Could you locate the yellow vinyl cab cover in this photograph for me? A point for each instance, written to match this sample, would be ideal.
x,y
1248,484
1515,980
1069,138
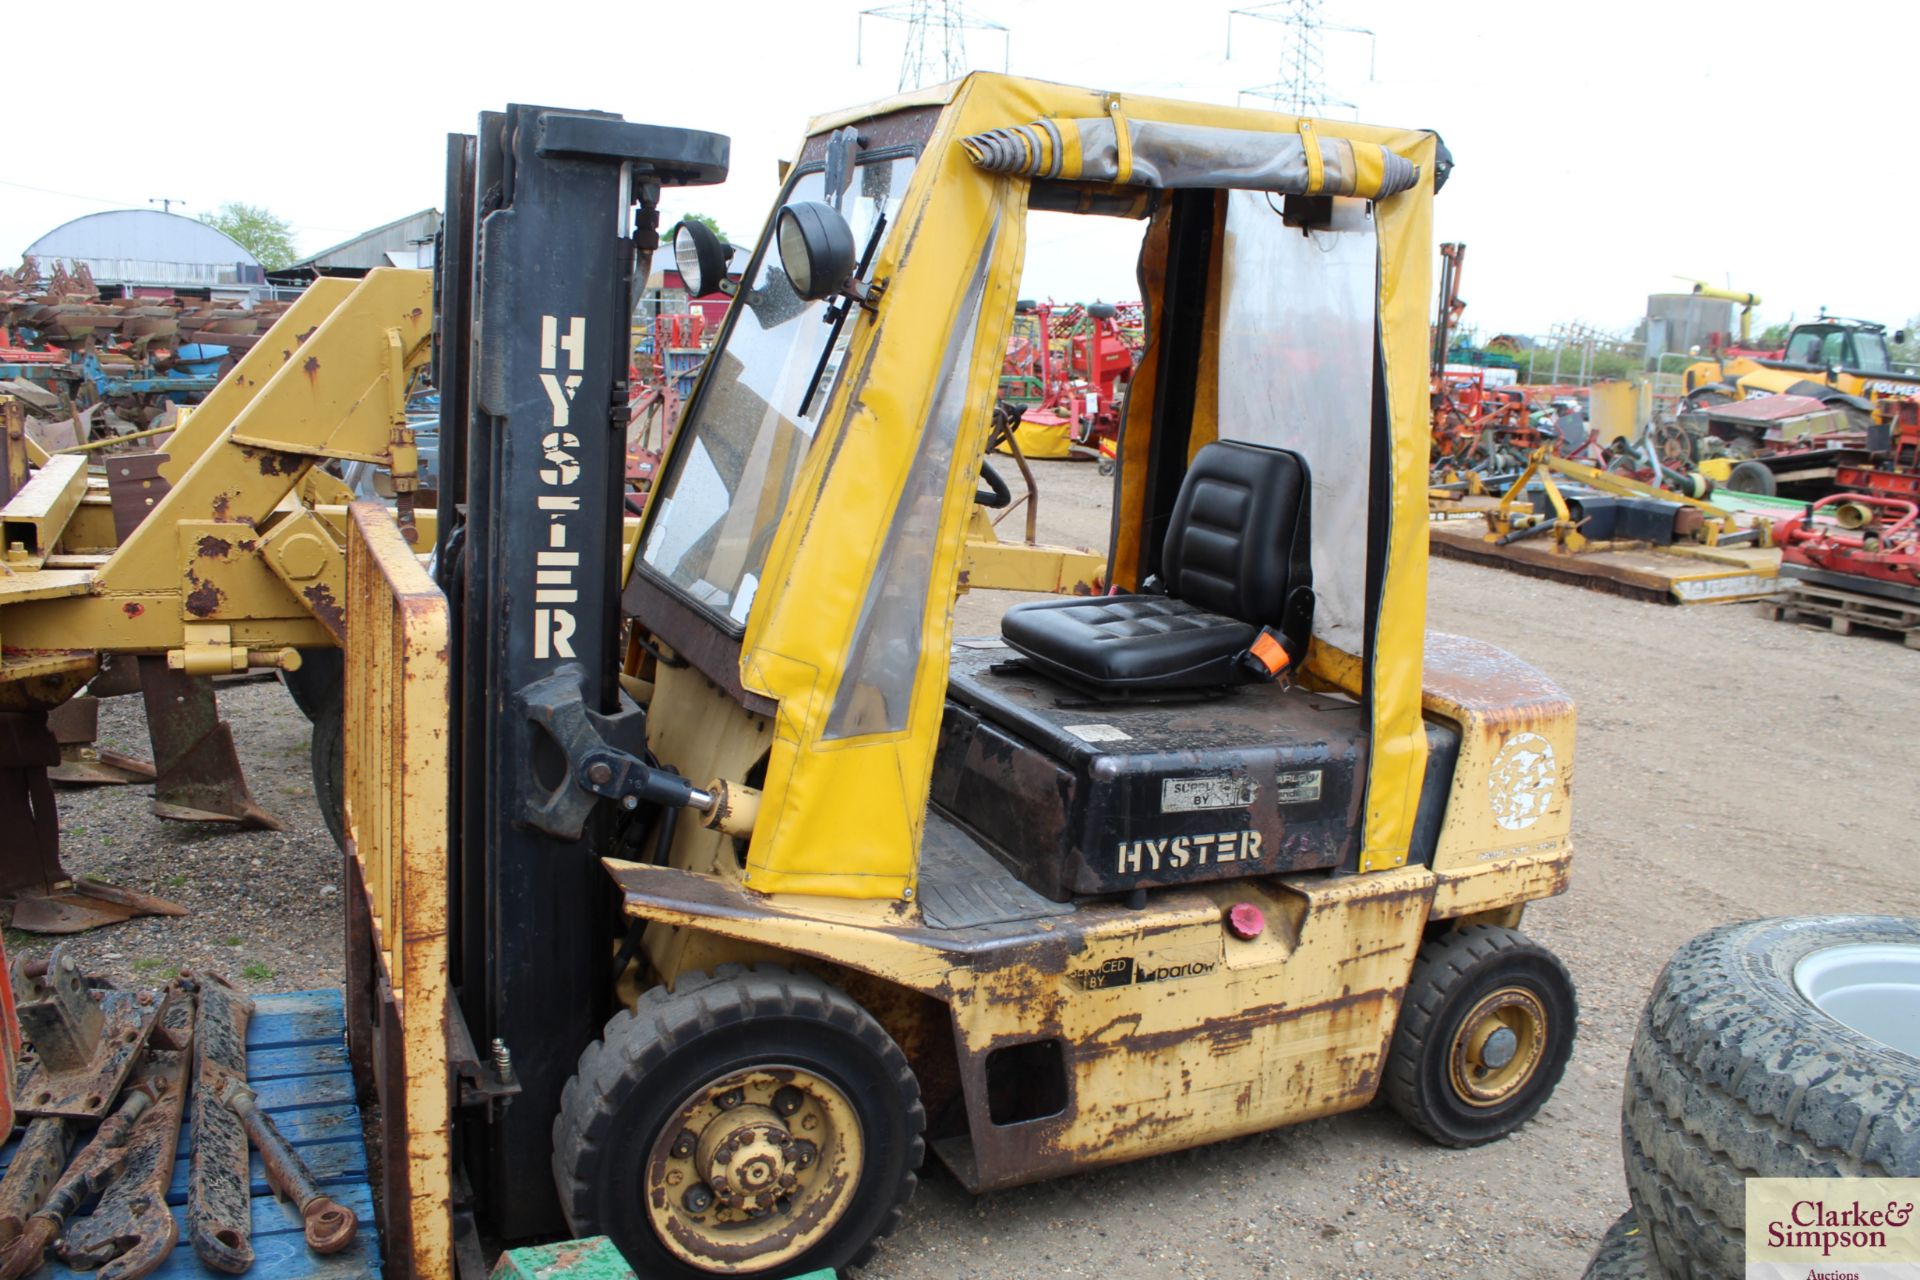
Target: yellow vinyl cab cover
x,y
832,538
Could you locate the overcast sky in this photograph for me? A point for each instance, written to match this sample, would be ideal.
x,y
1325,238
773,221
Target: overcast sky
x,y
1603,149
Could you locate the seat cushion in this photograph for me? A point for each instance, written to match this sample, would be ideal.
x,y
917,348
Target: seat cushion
x,y
1128,642
1236,543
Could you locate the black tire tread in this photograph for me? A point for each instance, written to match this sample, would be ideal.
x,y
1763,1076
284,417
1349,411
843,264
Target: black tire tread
x,y
326,758
1624,1253
1442,962
1726,1082
639,1039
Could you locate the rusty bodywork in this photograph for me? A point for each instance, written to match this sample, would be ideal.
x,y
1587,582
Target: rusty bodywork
x,y
1063,998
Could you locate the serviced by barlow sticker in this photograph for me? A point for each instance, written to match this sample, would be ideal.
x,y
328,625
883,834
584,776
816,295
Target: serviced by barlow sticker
x,y
1833,1229
1185,795
1126,971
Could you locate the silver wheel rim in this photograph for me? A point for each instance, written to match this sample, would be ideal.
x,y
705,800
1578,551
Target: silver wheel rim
x,y
1872,987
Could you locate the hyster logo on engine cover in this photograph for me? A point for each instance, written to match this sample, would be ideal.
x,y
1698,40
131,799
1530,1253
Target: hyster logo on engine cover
x,y
1176,853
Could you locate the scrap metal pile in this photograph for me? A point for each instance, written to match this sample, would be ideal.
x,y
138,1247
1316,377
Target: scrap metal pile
x,y
1066,370
104,1082
108,365
1865,536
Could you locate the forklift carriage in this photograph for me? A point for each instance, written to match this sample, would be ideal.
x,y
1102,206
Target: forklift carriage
x,y
749,879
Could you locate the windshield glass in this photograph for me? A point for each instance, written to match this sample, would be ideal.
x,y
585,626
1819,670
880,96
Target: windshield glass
x,y
717,510
1870,353
1805,347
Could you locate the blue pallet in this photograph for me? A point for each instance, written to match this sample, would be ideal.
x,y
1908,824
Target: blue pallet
x,y
297,1064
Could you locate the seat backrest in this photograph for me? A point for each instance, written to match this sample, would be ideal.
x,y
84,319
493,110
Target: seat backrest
x,y
1238,538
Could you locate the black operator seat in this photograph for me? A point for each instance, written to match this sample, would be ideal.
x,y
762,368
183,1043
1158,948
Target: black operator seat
x,y
1235,561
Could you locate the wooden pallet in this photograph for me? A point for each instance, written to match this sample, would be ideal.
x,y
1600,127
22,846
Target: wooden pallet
x,y
297,1064
1673,575
1842,611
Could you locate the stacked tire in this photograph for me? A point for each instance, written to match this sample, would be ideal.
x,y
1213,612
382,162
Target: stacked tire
x,y
1774,1048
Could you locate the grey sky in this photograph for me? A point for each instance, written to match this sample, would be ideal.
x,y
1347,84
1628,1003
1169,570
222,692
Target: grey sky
x,y
1603,149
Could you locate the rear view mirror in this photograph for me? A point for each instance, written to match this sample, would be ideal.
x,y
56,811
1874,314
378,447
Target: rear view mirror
x,y
700,258
816,248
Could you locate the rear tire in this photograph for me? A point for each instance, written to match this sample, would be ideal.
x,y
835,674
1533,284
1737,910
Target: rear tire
x,y
1485,1032
1735,1073
327,757
315,684
1624,1253
618,1157
1753,477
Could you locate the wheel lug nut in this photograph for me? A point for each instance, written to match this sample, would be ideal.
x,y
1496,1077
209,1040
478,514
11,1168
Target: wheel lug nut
x,y
698,1199
730,1099
788,1100
683,1145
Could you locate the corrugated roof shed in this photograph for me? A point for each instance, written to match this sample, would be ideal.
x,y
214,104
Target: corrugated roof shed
x,y
403,239
147,247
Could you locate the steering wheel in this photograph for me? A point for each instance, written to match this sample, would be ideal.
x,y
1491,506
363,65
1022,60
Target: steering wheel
x,y
996,495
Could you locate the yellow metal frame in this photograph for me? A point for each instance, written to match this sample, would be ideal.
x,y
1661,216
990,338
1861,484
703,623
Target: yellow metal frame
x,y
233,544
1544,464
397,629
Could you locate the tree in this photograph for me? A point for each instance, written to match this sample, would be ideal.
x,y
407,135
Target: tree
x,y
1907,352
268,238
708,223
1774,335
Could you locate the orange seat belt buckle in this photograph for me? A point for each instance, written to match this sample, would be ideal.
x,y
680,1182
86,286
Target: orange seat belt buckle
x,y
1269,652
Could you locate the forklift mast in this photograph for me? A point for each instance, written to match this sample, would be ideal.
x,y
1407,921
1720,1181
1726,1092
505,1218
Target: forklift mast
x,y
547,212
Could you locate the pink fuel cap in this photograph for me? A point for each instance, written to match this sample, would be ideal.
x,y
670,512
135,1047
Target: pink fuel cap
x,y
1245,921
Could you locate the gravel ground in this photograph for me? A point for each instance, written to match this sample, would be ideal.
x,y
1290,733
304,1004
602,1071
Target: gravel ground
x,y
1729,768
265,906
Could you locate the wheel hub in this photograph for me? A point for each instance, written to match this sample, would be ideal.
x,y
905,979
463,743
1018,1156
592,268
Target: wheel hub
x,y
746,1158
753,1168
1499,1043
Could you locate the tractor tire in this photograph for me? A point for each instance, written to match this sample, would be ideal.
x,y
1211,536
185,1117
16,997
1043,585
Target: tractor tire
x,y
1486,1028
635,1141
327,757
1753,477
1736,1073
318,680
1624,1254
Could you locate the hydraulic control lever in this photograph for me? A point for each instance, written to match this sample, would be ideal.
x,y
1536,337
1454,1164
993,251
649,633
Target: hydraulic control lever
x,y
605,758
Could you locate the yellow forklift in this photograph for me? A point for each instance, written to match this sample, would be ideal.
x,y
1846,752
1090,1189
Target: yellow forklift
x,y
694,911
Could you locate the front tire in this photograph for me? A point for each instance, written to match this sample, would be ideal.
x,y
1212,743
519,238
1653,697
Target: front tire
x,y
754,1122
1624,1253
1485,1032
1739,1071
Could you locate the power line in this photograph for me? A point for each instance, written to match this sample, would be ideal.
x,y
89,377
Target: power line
x,y
936,39
71,195
1302,85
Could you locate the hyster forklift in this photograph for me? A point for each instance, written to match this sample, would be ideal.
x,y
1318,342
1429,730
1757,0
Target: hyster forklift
x,y
703,894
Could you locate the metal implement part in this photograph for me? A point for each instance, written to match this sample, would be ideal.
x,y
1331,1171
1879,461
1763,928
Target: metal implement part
x,y
84,1042
200,779
96,1164
131,1231
46,899
36,1166
219,1218
331,1226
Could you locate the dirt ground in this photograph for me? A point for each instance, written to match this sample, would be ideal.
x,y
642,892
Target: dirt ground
x,y
1729,767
